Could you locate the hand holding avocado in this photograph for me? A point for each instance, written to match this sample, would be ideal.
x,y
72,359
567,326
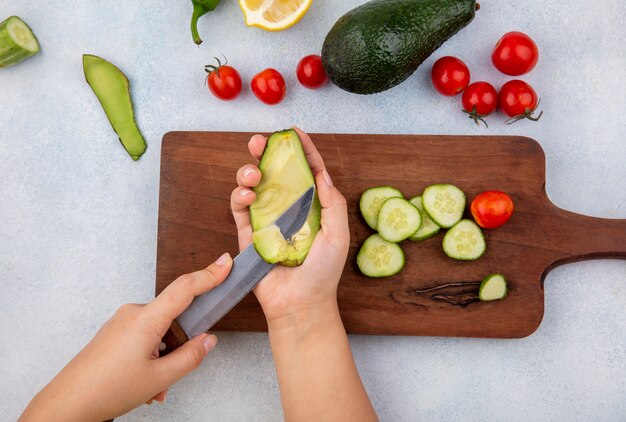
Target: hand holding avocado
x,y
286,292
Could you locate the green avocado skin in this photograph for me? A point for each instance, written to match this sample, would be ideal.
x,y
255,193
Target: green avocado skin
x,y
378,45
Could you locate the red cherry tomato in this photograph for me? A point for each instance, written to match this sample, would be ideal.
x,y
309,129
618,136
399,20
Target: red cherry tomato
x,y
224,81
450,75
515,54
269,86
311,73
519,101
492,209
480,99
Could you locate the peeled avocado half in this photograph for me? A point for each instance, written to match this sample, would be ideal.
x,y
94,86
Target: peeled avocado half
x,y
286,175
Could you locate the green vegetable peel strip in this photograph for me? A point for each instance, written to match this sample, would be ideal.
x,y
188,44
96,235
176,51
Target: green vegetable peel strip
x,y
200,8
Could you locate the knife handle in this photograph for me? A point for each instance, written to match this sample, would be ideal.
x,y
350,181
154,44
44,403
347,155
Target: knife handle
x,y
173,339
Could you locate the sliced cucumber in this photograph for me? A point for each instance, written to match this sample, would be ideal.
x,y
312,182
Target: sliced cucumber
x,y
428,228
464,241
445,204
379,258
371,201
493,287
398,219
17,42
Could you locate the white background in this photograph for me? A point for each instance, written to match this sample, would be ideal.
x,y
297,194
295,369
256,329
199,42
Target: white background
x,y
78,218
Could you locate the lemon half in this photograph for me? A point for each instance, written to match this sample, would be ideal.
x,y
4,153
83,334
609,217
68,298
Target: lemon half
x,y
274,15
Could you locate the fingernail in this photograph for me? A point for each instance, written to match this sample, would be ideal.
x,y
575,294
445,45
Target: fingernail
x,y
247,172
223,260
209,343
327,179
244,192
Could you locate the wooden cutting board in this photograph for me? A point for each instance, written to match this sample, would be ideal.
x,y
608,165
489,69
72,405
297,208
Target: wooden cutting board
x,y
434,295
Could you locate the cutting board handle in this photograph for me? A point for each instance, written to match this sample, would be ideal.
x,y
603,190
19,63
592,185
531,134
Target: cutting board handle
x,y
577,237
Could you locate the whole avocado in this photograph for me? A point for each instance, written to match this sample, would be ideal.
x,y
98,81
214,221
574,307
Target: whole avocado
x,y
378,45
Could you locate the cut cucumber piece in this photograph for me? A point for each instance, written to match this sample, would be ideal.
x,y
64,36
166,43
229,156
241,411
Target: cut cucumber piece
x,y
398,219
464,241
428,228
17,42
371,201
493,287
286,175
444,204
379,258
113,91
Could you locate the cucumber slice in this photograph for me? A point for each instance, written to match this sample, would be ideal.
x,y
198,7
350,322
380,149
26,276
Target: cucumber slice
x,y
428,228
371,201
464,241
398,219
379,258
493,287
445,204
17,42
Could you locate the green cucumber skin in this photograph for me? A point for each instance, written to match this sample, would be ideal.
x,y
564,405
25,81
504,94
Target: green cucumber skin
x,y
11,53
465,259
426,236
487,279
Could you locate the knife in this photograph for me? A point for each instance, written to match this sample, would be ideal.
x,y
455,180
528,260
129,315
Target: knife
x,y
247,271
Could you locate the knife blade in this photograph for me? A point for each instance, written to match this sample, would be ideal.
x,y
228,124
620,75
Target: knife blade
x,y
247,271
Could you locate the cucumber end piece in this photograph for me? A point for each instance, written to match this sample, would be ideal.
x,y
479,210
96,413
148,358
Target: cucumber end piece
x,y
22,35
493,287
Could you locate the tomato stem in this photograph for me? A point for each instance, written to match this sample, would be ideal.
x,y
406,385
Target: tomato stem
x,y
476,117
528,114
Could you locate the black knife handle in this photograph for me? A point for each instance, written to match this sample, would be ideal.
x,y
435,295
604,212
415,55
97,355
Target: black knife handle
x,y
173,339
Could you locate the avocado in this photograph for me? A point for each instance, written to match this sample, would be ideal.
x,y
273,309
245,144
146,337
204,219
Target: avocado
x,y
378,45
285,176
113,91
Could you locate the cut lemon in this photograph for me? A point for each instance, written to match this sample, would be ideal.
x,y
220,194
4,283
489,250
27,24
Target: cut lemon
x,y
274,15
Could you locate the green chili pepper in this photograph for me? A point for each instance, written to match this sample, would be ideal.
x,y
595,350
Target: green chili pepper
x,y
200,8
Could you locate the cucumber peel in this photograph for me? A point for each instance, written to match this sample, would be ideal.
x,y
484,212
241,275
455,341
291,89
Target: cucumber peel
x,y
113,91
493,287
17,41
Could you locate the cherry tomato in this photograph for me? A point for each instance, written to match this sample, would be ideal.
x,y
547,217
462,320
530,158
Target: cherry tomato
x,y
480,99
492,209
269,86
519,101
311,73
515,54
224,81
450,75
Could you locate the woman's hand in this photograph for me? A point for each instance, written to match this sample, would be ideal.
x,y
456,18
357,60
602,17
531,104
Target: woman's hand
x,y
317,376
120,368
289,295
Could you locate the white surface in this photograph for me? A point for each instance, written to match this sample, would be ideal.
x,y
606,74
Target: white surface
x,y
78,217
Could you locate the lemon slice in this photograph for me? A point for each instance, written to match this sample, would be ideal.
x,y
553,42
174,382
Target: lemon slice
x,y
274,15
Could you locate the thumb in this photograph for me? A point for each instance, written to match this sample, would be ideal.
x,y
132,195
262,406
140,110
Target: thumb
x,y
186,358
334,208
